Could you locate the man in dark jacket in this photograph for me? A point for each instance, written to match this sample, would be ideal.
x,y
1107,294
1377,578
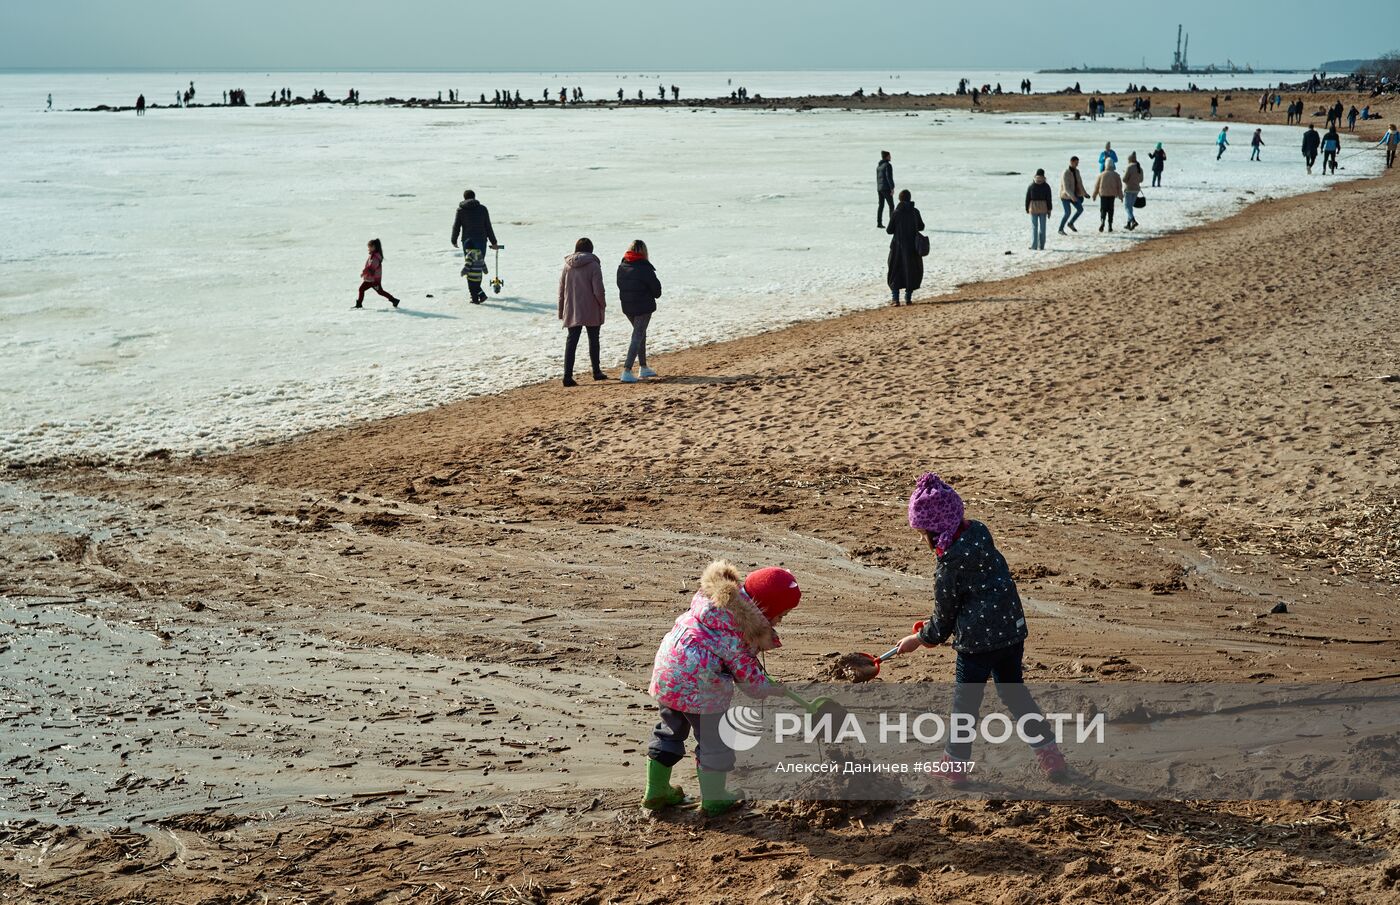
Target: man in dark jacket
x,y
1311,142
473,226
884,187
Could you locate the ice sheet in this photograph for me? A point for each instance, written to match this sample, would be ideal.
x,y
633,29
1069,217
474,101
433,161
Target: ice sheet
x,y
183,281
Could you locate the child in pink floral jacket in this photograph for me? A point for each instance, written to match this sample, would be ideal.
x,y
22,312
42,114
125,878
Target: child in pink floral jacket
x,y
713,645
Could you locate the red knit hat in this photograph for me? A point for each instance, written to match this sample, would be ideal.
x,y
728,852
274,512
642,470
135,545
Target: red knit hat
x,y
774,591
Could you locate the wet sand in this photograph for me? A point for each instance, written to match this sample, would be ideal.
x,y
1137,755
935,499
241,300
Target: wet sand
x,y
406,661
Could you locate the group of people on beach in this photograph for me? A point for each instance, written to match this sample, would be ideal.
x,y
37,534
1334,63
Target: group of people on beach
x,y
909,246
582,301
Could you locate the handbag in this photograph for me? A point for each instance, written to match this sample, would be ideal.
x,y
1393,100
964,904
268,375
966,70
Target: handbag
x,y
1140,201
921,244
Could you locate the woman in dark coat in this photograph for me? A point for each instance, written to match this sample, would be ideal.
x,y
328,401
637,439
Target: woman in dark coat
x,y
906,265
639,288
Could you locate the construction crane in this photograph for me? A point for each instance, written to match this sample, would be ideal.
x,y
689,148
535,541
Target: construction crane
x,y
1179,63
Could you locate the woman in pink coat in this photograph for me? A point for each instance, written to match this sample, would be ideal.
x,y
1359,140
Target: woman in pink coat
x,y
582,304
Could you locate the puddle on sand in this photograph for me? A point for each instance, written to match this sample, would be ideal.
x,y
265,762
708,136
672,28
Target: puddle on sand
x,y
103,723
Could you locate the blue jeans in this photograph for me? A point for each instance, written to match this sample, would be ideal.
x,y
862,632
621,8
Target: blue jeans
x,y
973,671
1038,222
1067,220
1129,199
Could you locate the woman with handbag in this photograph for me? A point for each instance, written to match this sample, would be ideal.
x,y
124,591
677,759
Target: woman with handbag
x,y
1038,204
907,249
1132,186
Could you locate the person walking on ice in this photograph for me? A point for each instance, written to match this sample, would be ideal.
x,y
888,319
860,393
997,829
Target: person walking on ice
x,y
1159,163
1106,155
638,288
473,225
714,646
1312,141
1331,146
1072,195
1132,187
1222,141
50,106
373,275
976,605
1255,144
582,305
1039,203
905,265
1107,189
884,187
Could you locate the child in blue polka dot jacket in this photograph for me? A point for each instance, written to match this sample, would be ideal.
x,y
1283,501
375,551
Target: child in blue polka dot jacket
x,y
976,604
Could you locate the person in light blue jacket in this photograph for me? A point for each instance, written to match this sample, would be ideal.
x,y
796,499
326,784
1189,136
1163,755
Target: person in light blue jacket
x,y
1222,141
1331,144
1107,154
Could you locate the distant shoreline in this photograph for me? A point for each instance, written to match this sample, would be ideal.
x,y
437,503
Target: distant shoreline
x,y
1238,104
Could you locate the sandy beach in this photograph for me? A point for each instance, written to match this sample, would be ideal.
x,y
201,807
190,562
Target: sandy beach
x,y
1167,441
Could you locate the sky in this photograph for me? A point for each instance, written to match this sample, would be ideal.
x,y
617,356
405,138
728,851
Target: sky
x,y
553,35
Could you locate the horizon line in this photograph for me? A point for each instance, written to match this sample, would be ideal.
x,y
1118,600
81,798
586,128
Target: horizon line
x,y
1125,70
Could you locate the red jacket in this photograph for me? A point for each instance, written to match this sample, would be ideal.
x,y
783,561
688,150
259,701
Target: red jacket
x,y
374,269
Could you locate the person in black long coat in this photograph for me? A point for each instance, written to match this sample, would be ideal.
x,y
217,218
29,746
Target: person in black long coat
x,y
906,265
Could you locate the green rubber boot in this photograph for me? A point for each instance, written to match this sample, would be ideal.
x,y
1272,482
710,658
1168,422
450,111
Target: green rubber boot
x,y
660,793
715,799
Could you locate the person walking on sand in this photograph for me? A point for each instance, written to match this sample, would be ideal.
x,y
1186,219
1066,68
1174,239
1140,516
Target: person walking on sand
x,y
638,288
1072,195
906,261
1391,142
1106,155
1351,118
473,225
1214,105
582,305
1132,186
1222,141
1255,143
1312,141
1039,203
1331,144
373,275
884,187
1107,189
1159,163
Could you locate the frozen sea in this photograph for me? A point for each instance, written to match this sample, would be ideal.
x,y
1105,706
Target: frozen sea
x,y
183,281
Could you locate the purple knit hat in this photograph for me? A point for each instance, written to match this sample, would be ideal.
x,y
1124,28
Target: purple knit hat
x,y
936,507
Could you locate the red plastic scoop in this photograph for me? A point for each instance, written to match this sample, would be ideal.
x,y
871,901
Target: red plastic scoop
x,y
861,667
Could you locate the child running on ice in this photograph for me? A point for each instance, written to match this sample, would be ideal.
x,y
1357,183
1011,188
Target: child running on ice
x,y
713,645
975,602
373,273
